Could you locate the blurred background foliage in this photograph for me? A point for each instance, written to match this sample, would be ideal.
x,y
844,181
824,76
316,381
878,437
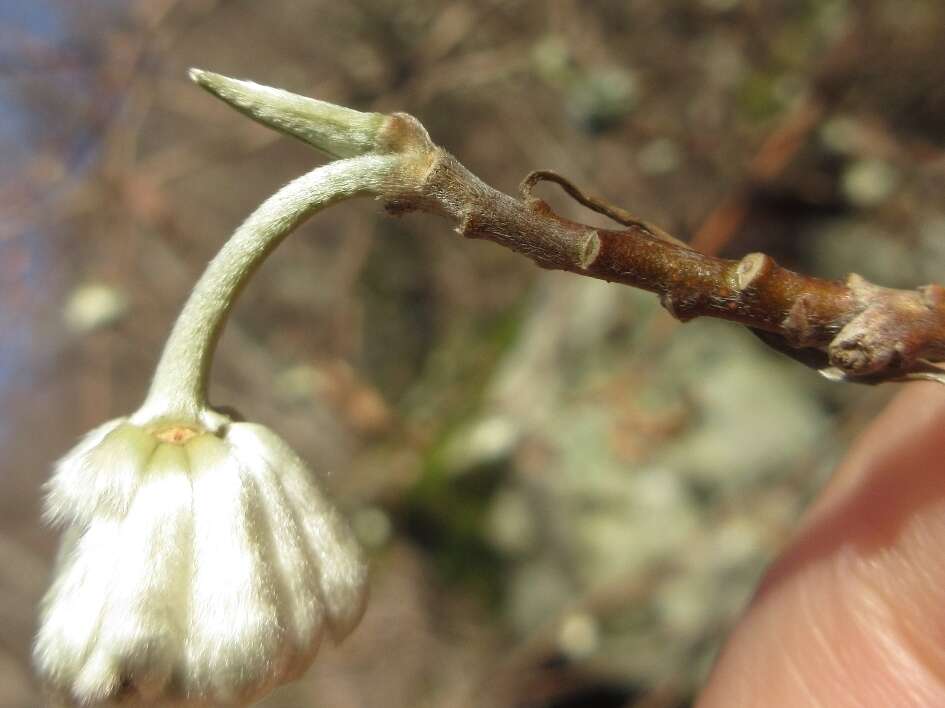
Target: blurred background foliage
x,y
567,496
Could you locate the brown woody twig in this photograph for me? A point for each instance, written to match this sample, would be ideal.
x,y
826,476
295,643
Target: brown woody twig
x,y
850,331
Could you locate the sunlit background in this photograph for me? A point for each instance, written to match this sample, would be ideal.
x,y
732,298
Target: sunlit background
x,y
567,496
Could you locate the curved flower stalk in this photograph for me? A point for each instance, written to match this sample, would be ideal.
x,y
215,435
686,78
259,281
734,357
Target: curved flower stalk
x,y
200,563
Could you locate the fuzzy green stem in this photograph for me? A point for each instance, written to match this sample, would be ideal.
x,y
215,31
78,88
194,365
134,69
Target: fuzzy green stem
x,y
179,387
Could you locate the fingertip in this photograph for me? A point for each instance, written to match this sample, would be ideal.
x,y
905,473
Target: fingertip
x,y
853,612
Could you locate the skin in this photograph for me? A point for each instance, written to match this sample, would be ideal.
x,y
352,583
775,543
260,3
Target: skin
x,y
853,612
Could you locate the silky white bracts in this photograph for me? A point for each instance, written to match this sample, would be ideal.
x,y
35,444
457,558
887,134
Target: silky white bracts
x,y
200,563
197,567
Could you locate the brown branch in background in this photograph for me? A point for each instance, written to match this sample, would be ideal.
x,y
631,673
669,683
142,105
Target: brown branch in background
x,y
851,331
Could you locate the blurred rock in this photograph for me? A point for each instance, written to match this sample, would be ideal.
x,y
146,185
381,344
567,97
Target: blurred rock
x,y
336,383
844,246
578,636
844,135
94,305
603,526
723,61
487,441
511,525
602,97
299,383
596,97
372,526
553,61
869,182
659,157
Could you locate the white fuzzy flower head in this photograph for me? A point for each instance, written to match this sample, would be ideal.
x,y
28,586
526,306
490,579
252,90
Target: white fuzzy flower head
x,y
201,565
198,567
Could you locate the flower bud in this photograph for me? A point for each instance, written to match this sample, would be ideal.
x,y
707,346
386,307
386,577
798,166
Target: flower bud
x,y
196,567
200,563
